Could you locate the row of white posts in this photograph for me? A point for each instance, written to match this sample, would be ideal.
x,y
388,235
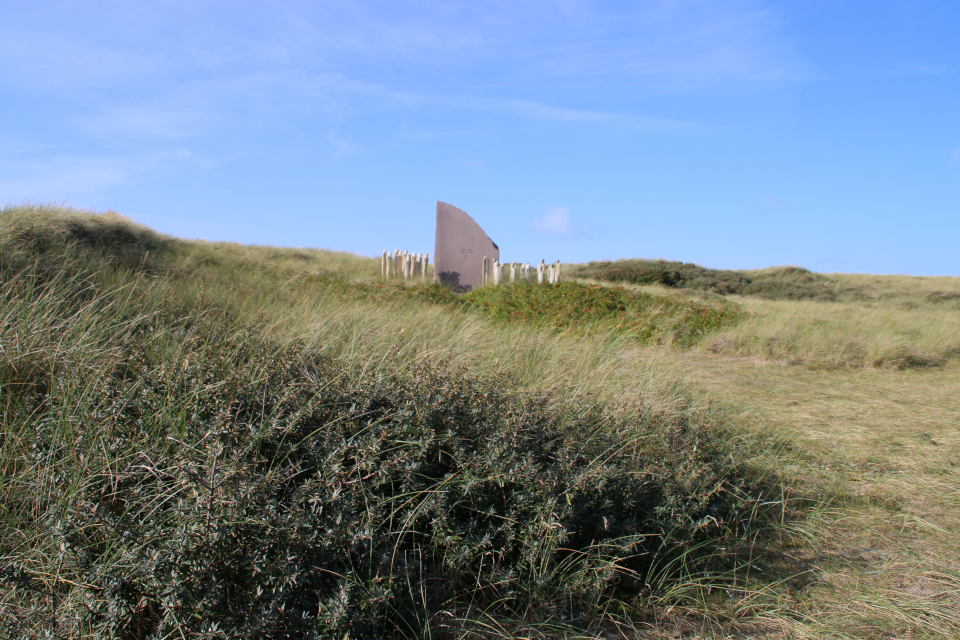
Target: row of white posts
x,y
403,263
496,272
395,264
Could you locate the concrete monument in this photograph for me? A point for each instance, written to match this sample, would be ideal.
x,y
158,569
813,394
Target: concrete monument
x,y
461,247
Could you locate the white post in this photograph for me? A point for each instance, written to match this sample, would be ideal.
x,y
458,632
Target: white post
x,y
540,273
496,273
513,272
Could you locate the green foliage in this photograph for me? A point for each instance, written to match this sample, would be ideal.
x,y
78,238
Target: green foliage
x,y
168,472
579,307
784,283
221,484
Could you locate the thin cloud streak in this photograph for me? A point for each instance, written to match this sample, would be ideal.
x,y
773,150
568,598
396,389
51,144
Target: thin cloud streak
x,y
226,84
61,178
662,43
555,223
545,112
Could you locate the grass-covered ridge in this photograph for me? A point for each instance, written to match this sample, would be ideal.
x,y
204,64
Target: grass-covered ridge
x,y
212,359
585,308
185,452
782,283
789,315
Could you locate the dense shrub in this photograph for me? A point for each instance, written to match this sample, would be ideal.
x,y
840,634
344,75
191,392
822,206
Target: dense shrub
x,y
574,306
307,502
167,471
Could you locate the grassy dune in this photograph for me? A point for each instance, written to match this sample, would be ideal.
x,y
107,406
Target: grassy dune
x,y
900,322
276,441
897,322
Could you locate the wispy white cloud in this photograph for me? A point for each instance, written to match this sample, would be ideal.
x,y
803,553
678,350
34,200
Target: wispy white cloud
x,y
534,110
476,165
678,44
336,88
128,75
344,147
60,178
555,223
492,45
140,121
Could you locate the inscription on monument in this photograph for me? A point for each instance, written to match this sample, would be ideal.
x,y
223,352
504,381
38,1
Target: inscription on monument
x,y
460,249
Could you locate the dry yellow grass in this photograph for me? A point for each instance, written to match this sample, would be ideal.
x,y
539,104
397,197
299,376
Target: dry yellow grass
x,y
881,450
908,330
872,451
896,322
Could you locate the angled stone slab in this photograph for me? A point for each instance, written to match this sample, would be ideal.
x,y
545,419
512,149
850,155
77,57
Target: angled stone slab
x,y
460,249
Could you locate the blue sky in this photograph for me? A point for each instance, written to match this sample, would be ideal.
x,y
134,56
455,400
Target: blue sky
x,y
734,134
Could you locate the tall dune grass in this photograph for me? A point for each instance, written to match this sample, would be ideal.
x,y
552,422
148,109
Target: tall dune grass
x,y
844,334
195,443
158,401
881,322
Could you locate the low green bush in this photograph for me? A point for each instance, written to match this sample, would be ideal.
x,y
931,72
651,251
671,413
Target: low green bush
x,y
580,307
168,472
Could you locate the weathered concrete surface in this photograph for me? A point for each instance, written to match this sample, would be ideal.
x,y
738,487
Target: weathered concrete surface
x,y
460,249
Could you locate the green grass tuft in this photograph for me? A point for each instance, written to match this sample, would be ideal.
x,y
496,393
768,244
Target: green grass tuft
x,y
595,309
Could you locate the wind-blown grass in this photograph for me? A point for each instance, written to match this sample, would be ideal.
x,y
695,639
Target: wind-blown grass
x,y
898,322
844,334
158,400
183,453
585,309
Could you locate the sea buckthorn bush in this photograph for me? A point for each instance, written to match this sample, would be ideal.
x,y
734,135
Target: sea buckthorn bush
x,y
581,307
168,471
